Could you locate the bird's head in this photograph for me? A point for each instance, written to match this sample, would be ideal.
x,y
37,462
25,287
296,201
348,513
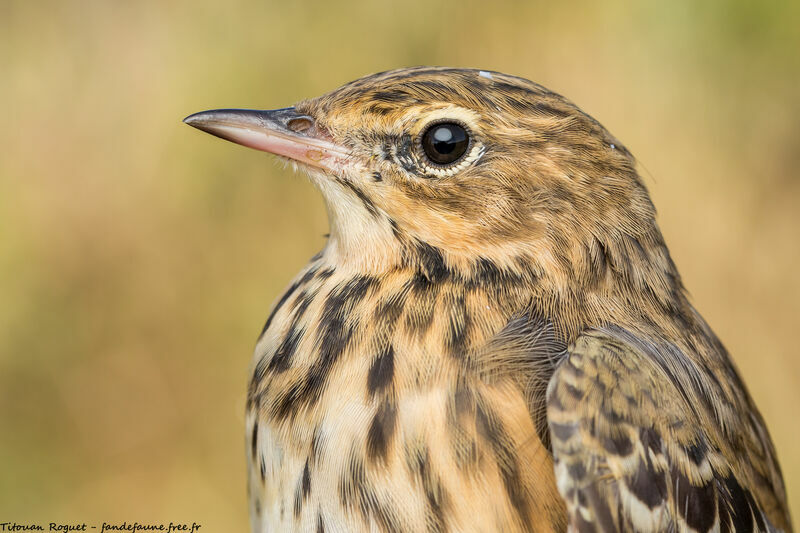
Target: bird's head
x,y
469,166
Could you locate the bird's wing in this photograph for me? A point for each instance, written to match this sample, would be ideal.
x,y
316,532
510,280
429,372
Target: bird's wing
x,y
632,454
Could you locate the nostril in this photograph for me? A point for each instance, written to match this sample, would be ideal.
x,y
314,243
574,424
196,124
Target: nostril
x,y
300,124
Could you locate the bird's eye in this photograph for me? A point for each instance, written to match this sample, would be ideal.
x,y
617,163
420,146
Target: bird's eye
x,y
445,142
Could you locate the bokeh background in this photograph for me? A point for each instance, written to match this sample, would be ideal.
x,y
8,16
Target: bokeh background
x,y
139,257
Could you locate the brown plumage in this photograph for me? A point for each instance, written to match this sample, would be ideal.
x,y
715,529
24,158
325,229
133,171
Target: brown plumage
x,y
495,342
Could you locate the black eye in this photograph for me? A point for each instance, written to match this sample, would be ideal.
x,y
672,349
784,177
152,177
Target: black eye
x,y
445,142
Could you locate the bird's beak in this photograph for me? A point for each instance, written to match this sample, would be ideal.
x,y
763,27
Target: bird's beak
x,y
283,132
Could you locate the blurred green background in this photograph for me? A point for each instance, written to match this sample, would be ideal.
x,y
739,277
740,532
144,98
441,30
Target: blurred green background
x,y
139,257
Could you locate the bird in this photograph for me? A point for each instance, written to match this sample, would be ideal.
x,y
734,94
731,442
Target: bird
x,y
494,336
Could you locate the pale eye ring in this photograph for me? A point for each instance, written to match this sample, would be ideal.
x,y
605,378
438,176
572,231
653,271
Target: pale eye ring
x,y
444,143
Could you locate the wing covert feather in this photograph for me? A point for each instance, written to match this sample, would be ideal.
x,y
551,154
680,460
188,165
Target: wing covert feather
x,y
633,454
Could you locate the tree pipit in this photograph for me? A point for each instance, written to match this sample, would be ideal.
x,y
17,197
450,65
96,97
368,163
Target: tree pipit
x,y
494,337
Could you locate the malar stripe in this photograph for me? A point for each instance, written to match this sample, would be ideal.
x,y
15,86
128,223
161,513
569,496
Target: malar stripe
x,y
368,204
